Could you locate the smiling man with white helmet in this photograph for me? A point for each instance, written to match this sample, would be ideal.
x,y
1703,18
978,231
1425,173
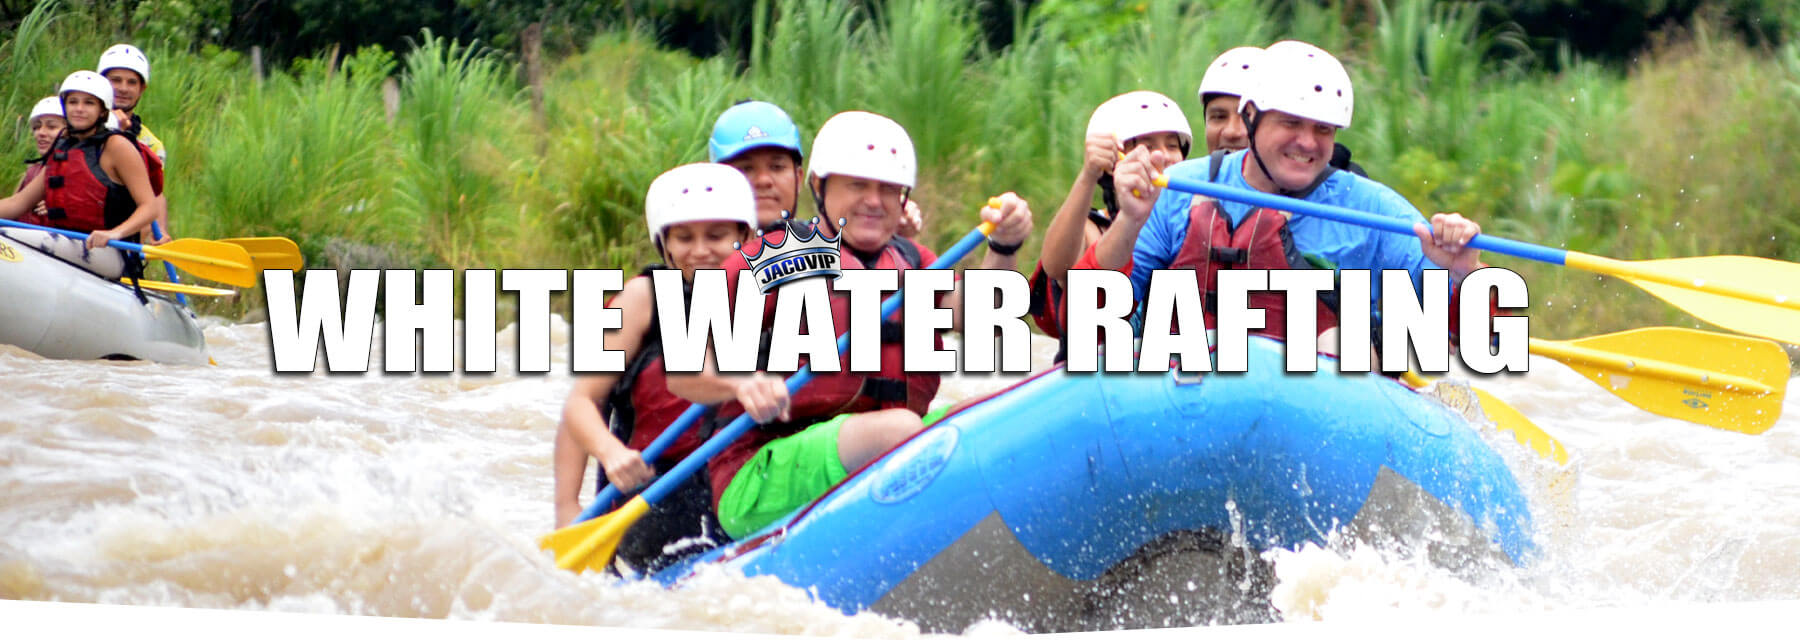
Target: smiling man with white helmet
x,y
1301,99
862,171
1227,79
1128,121
129,72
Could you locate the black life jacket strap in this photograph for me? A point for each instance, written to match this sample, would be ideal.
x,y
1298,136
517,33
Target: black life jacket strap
x,y
1100,219
883,389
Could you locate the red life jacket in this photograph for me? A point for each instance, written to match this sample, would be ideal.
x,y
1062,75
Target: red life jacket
x,y
78,195
32,169
1262,240
833,394
1048,298
640,406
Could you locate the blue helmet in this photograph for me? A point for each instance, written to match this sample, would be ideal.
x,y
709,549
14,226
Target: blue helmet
x,y
749,125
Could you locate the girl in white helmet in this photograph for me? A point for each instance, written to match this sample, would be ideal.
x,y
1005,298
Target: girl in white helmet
x,y
1129,121
46,122
695,214
93,181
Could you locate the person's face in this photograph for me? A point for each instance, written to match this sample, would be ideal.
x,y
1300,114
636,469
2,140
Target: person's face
x,y
44,130
1295,149
774,177
1167,142
83,110
1224,126
128,86
871,208
691,246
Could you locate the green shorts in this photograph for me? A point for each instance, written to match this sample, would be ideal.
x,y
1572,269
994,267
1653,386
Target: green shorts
x,y
786,474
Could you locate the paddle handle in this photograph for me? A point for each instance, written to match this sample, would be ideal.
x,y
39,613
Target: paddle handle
x,y
1482,241
669,481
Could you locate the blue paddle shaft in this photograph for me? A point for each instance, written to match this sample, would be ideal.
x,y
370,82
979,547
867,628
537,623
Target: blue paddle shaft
x,y
1482,241
667,484
116,244
156,231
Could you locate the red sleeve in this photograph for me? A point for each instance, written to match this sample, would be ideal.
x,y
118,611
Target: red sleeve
x,y
1046,303
1456,303
1090,259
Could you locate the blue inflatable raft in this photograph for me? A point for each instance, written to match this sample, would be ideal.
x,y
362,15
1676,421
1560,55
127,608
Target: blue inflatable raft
x,y
1082,501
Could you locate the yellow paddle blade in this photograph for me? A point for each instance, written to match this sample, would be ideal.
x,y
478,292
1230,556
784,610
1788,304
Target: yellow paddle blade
x,y
1728,382
590,545
218,261
190,289
1527,433
1757,296
271,252
1508,419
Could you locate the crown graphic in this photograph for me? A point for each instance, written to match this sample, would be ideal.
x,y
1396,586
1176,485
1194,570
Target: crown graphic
x,y
805,252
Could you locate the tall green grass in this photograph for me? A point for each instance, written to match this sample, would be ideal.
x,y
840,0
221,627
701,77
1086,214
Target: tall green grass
x,y
1690,151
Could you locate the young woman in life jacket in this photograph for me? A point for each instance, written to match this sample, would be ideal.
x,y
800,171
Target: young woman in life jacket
x,y
1138,119
695,214
46,122
862,172
94,180
1301,99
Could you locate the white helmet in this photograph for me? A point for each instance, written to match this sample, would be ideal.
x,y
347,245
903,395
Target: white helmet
x,y
1233,73
124,56
86,82
1303,80
1138,113
51,106
864,145
702,191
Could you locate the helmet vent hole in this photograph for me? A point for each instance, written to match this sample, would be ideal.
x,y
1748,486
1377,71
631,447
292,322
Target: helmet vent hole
x,y
1318,89
709,189
871,147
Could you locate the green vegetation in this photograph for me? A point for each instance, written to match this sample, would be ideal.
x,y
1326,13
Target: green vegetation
x,y
438,157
